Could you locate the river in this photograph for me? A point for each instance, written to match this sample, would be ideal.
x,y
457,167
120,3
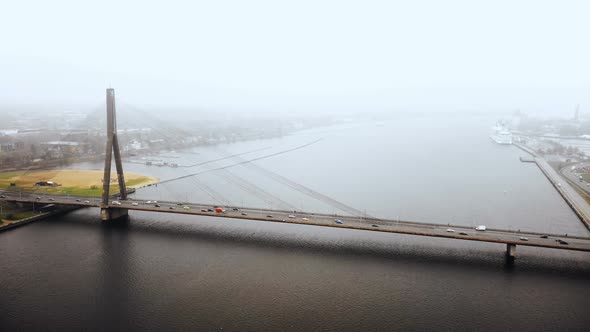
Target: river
x,y
171,272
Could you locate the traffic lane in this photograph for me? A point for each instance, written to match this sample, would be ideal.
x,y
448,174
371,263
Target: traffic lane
x,y
472,235
321,220
575,177
51,200
347,222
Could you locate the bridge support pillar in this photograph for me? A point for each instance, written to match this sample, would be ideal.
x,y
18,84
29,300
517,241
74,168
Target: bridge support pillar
x,y
113,214
510,252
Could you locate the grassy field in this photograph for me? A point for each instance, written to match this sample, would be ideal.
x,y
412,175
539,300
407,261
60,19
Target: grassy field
x,y
72,182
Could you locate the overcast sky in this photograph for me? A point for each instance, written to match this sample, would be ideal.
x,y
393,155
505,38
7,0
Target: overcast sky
x,y
531,55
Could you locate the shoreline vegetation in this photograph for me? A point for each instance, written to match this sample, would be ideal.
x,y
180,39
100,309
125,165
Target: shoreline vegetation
x,y
69,182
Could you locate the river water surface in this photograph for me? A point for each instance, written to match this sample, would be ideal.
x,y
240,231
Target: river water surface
x,y
166,271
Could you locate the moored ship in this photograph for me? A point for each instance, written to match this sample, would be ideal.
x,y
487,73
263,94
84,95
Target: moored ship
x,y
500,134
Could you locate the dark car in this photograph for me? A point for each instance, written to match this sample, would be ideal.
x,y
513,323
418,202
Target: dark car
x,y
157,205
269,216
544,236
210,210
235,209
203,210
463,233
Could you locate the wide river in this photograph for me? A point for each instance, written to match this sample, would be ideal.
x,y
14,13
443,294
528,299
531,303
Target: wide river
x,y
170,272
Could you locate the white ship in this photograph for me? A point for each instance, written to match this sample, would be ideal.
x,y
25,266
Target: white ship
x,y
501,134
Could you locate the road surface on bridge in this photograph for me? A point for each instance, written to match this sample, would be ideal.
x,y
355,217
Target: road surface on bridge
x,y
316,219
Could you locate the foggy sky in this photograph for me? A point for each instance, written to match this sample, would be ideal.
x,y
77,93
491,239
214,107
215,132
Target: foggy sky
x,y
528,55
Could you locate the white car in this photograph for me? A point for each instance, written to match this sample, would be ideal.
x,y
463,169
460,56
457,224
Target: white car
x,y
522,238
134,204
291,216
480,228
450,230
116,203
305,219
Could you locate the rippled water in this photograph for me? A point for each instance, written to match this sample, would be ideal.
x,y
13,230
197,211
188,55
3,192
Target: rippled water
x,y
163,271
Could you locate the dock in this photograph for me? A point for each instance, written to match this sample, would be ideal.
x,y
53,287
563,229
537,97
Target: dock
x,y
526,160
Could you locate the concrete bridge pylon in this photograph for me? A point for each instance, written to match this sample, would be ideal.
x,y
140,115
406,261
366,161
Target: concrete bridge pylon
x,y
107,212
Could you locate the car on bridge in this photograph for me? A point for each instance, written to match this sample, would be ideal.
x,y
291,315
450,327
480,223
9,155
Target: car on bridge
x,y
480,228
116,203
338,221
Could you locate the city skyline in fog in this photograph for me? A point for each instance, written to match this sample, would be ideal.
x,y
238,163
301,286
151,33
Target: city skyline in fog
x,y
304,55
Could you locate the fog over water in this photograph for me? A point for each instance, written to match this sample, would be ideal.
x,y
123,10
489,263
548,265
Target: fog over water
x,y
377,107
182,272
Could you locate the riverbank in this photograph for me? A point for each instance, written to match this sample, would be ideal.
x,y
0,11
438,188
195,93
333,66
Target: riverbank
x,y
68,182
10,224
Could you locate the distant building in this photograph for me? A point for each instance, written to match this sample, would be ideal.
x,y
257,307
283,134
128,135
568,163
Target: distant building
x,y
134,145
64,146
10,147
8,132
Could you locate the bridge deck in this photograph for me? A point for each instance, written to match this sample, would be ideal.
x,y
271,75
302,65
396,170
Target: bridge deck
x,y
325,220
